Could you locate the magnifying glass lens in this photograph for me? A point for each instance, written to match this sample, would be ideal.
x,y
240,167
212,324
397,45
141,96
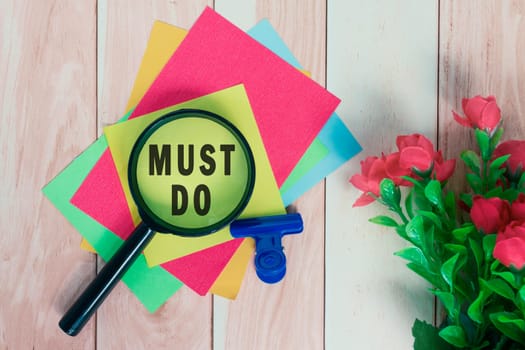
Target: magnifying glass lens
x,y
192,174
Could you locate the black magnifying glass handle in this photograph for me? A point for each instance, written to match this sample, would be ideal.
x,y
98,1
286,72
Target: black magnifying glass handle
x,y
87,303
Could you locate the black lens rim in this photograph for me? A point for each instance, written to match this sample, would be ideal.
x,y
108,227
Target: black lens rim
x,y
147,215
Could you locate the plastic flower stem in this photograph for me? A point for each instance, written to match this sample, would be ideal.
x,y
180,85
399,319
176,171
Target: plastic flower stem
x,y
397,209
518,276
484,178
503,340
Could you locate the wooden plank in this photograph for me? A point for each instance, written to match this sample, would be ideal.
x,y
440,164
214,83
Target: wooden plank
x,y
487,63
47,108
382,62
122,322
288,315
482,50
242,13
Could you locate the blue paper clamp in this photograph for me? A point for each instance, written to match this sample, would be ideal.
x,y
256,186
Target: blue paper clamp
x,y
270,261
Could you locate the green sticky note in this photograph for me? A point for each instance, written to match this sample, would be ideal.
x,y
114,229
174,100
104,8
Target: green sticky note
x,y
152,286
316,153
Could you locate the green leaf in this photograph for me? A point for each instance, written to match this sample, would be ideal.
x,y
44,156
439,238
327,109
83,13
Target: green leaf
x,y
434,194
496,137
475,310
471,160
409,200
477,251
494,192
434,219
429,241
509,324
461,233
499,287
495,175
521,293
390,193
455,335
448,270
421,202
430,277
474,181
415,230
494,266
508,277
521,183
413,254
489,241
450,205
449,302
520,299
401,231
416,183
498,162
466,198
384,220
456,248
510,194
484,143
426,337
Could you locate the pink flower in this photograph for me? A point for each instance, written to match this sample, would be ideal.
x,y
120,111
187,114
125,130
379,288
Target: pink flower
x,y
482,113
394,170
372,172
516,149
416,151
443,169
517,208
510,245
489,214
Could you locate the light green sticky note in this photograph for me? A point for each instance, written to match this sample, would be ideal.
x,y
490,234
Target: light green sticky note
x,y
317,152
152,286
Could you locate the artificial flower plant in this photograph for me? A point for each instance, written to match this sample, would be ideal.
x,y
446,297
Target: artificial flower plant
x,y
470,246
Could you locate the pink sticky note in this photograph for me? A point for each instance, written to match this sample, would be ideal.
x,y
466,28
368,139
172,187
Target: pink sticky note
x,y
289,107
200,270
101,180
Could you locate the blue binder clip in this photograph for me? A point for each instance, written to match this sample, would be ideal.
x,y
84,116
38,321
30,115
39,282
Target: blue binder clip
x,y
270,261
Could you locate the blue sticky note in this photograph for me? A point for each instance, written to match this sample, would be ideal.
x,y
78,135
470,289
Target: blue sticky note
x,y
341,145
335,136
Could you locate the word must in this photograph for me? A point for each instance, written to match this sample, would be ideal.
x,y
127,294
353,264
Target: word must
x,y
160,164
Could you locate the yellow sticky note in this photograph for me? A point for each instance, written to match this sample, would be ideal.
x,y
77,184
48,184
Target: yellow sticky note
x,y
164,40
229,281
233,105
86,246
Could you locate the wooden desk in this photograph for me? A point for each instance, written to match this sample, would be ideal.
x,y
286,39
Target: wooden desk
x,y
66,69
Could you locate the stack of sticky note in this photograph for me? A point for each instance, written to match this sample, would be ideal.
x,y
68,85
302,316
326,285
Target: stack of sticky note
x,y
253,80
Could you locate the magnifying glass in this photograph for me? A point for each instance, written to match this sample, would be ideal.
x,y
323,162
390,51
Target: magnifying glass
x,y
191,172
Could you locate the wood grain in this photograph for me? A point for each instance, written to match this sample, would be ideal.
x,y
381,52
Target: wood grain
x,y
482,50
47,109
382,62
288,315
122,322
